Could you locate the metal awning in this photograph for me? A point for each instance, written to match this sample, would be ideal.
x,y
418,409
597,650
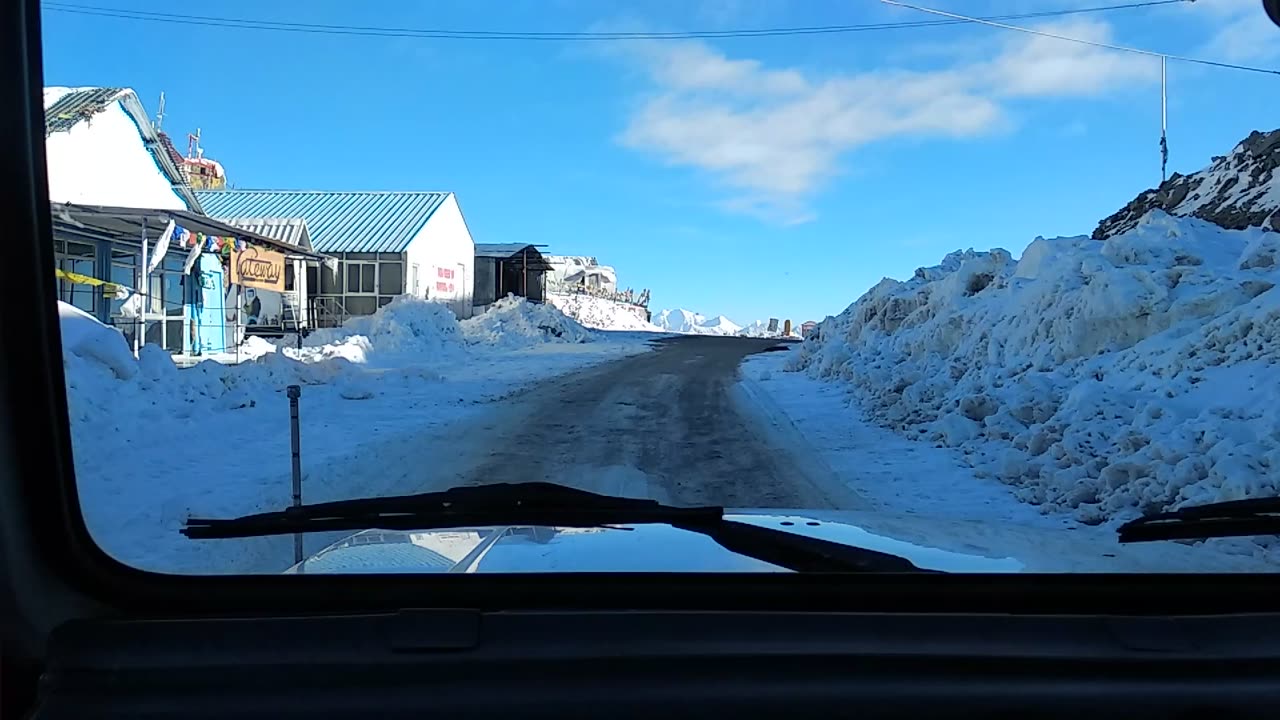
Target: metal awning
x,y
530,256
126,225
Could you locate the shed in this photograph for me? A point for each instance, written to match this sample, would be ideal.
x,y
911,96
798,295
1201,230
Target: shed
x,y
387,243
509,269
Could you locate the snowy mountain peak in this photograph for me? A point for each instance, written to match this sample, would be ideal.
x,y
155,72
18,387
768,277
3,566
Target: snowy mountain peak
x,y
678,320
1237,190
723,324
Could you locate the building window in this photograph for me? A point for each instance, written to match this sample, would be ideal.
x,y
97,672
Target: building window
x,y
390,278
361,278
331,281
360,304
74,257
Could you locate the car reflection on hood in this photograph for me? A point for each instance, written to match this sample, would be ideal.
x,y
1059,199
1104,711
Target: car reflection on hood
x,y
615,548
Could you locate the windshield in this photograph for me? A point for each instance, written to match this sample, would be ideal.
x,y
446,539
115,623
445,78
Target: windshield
x,y
971,290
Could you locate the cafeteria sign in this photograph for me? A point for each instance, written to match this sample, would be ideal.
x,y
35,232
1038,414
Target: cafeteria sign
x,y
258,268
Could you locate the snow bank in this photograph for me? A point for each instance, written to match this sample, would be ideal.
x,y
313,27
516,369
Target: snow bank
x,y
406,329
602,313
109,389
1105,379
514,322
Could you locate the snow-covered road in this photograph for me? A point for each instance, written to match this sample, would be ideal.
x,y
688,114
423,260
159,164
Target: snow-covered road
x,y
664,425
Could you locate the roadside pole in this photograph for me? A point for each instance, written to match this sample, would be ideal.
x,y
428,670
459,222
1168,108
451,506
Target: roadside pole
x,y
294,392
144,295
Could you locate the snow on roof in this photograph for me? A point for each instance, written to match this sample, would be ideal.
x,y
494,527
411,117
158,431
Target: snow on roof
x,y
101,149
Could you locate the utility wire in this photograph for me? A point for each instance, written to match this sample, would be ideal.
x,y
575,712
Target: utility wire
x,y
1109,46
454,34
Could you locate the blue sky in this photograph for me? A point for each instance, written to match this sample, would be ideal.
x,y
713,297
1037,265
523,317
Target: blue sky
x,y
753,177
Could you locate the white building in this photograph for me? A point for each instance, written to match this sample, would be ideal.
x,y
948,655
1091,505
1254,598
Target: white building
x,y
578,271
387,243
101,149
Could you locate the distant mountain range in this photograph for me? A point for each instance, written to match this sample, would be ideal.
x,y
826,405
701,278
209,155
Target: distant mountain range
x,y
692,323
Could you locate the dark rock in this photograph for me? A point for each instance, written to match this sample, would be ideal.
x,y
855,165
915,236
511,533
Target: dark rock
x,y
1229,193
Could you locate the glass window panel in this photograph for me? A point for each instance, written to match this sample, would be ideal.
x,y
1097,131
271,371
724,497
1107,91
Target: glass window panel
x,y
155,295
390,278
353,278
367,283
360,304
173,336
173,295
331,281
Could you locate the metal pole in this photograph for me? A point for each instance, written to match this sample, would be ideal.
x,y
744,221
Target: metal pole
x,y
1164,114
294,392
144,293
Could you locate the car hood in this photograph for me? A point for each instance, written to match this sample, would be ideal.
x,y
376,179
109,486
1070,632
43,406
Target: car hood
x,y
618,548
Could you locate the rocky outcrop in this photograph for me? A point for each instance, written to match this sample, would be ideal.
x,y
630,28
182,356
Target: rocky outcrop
x,y
1236,191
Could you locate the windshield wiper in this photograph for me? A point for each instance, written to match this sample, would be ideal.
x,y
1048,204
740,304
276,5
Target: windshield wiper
x,y
549,504
1233,518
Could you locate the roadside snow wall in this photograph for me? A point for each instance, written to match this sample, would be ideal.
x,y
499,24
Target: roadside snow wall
x,y
1105,379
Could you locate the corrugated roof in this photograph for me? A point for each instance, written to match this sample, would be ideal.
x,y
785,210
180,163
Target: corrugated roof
x,y
72,105
289,230
364,221
76,105
503,251
531,260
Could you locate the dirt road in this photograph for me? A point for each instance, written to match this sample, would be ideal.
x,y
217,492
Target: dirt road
x,y
663,424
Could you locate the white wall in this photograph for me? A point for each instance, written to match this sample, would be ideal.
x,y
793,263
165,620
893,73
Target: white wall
x,y
103,161
444,246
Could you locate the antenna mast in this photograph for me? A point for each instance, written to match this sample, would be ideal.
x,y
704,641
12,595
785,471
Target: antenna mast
x,y
160,112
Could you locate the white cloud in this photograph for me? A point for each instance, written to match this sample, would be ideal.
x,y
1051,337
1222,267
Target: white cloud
x,y
774,135
1241,31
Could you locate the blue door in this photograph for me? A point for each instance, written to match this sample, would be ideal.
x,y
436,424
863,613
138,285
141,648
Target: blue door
x,y
207,331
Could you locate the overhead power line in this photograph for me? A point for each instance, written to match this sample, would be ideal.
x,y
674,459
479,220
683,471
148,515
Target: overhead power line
x,y
1122,48
455,34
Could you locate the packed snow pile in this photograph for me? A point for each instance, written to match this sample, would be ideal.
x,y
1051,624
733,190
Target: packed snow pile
x,y
1236,191
1106,379
407,328
602,313
515,322
108,389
